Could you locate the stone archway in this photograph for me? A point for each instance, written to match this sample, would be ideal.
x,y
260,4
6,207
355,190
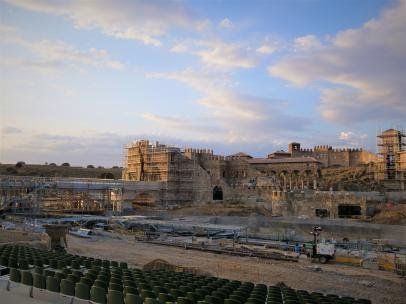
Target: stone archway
x,y
217,193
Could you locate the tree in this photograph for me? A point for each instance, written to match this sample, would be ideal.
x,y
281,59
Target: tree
x,y
65,164
100,167
20,164
52,164
115,167
107,175
90,167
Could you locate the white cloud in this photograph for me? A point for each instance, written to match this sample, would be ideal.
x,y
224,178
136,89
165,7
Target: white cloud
x,y
245,118
307,43
145,21
10,130
50,55
364,69
226,24
354,139
180,48
266,49
217,53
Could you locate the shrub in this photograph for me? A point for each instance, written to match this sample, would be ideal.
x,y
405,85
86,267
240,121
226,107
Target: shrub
x,y
107,175
20,164
11,170
90,167
65,164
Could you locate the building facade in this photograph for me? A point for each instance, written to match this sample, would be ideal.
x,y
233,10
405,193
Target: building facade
x,y
330,157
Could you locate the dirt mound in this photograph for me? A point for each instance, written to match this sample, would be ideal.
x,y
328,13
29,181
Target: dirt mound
x,y
391,214
360,178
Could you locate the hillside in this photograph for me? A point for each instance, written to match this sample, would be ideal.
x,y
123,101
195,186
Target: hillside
x,y
59,171
358,178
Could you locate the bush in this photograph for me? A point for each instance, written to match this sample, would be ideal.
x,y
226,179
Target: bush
x,y
107,175
11,170
52,164
115,167
100,167
65,165
90,167
20,164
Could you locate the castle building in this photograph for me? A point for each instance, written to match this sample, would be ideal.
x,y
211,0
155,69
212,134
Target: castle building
x,y
330,157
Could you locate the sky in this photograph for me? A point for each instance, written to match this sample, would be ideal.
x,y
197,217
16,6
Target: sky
x,y
81,79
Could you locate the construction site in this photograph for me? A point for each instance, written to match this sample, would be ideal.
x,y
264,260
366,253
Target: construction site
x,y
328,225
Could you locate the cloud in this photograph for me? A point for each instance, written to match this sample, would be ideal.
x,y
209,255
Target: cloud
x,y
226,24
219,54
354,139
182,124
10,130
226,55
180,48
307,43
243,117
360,72
269,46
145,21
51,55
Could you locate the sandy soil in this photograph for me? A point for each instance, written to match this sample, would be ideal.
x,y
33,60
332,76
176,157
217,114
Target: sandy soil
x,y
378,286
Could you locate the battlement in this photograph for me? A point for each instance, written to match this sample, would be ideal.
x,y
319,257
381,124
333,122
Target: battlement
x,y
322,148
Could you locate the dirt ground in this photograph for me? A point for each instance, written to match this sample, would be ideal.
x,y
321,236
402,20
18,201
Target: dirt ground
x,y
379,286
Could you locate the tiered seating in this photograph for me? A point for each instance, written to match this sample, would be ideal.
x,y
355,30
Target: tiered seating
x,y
103,281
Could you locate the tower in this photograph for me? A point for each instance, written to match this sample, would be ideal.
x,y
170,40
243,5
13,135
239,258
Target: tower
x,y
390,144
293,147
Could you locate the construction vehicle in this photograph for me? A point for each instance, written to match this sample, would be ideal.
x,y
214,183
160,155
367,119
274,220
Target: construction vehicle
x,y
321,250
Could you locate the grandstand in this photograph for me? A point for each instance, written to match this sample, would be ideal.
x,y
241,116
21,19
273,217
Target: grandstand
x,y
32,275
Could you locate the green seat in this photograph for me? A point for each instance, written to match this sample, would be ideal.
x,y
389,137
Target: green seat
x,y
114,286
130,289
163,298
52,284
133,299
38,269
150,301
48,273
60,275
15,275
86,281
23,264
147,294
184,300
98,294
68,287
53,263
73,278
4,261
39,281
100,283
61,264
115,297
26,278
12,263
82,291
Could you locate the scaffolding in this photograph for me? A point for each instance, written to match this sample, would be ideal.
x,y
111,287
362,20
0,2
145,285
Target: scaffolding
x,y
391,150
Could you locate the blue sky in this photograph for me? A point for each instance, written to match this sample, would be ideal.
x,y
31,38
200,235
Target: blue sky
x,y
80,79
